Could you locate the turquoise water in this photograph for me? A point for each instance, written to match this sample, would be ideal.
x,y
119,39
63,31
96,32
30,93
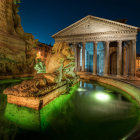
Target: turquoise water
x,y
90,111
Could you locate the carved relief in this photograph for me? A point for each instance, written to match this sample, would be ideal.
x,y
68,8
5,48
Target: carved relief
x,y
93,26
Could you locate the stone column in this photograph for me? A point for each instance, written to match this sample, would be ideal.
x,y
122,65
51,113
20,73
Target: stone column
x,y
78,58
130,56
119,58
75,51
72,47
133,59
83,56
95,59
106,58
126,61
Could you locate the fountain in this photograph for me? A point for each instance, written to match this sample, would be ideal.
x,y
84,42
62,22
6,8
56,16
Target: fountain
x,y
46,86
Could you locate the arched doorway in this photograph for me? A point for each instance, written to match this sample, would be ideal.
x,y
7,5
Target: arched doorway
x,y
113,63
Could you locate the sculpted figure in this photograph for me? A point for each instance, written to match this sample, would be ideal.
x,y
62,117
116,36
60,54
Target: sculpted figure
x,y
40,66
59,71
60,63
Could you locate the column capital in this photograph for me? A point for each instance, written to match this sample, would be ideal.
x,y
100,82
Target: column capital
x,y
134,41
75,44
95,43
84,42
119,42
107,43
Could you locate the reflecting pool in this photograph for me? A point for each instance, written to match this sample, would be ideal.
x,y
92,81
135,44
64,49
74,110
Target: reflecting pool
x,y
90,111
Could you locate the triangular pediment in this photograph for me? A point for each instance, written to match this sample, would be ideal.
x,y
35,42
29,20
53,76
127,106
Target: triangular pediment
x,y
91,24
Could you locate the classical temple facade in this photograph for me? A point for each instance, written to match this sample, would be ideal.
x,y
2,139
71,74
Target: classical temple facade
x,y
102,46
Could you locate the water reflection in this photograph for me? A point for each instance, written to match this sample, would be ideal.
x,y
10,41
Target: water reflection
x,y
25,118
89,111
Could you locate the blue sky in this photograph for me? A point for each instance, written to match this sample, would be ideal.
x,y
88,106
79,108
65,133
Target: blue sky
x,y
43,18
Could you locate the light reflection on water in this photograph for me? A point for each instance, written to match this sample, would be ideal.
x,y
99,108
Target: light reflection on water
x,y
77,115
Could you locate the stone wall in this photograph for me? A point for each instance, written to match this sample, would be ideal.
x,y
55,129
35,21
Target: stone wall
x,y
13,41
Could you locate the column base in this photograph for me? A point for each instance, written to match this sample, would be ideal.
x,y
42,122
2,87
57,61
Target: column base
x,y
94,73
119,76
105,75
132,77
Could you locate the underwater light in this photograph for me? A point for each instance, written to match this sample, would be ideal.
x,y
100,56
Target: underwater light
x,y
81,89
101,96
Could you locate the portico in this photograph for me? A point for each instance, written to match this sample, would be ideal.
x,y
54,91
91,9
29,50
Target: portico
x,y
113,46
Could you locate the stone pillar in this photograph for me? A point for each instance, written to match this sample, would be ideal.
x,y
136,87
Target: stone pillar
x,y
83,56
126,61
78,58
119,58
106,58
133,59
72,47
95,59
129,51
75,51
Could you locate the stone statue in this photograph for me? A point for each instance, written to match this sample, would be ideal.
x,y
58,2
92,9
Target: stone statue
x,y
59,71
40,66
60,62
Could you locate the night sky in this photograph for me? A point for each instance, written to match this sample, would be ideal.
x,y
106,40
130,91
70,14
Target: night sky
x,y
43,18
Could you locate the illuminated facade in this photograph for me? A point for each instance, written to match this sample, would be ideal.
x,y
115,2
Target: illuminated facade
x,y
102,46
43,50
138,63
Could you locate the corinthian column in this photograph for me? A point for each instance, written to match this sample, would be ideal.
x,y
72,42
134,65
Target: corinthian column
x,y
75,51
119,58
126,61
83,56
95,59
106,59
133,59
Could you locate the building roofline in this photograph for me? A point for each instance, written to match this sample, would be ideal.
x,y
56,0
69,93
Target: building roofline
x,y
102,19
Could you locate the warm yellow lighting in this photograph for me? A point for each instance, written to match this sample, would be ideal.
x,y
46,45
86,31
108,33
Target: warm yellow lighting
x,y
38,55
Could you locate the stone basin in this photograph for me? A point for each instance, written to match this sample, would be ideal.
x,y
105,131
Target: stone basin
x,y
35,101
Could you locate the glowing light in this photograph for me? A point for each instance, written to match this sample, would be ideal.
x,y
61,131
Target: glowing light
x,y
101,96
81,89
38,55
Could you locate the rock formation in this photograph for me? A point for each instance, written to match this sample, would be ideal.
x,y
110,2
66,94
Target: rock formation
x,y
16,55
